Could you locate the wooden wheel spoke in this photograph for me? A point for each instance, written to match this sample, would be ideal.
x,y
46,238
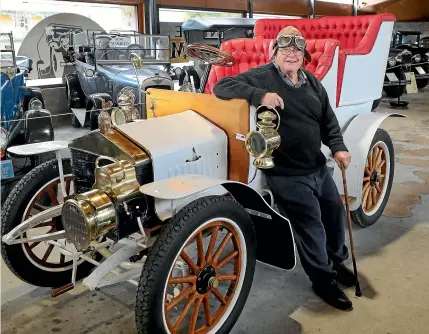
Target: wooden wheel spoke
x,y
380,152
374,157
365,187
377,187
194,318
189,262
210,249
226,277
185,293
369,202
200,247
185,311
207,314
219,296
369,160
367,171
381,176
34,244
48,252
180,280
374,196
221,247
366,179
52,195
226,259
365,197
380,164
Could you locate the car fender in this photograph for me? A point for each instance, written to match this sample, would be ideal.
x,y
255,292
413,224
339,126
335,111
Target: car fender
x,y
38,126
357,138
275,240
74,92
94,100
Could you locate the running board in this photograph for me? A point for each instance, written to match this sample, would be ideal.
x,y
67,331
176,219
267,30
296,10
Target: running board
x,y
80,114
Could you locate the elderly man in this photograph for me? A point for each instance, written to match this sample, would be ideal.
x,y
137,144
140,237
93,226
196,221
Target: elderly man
x,y
304,190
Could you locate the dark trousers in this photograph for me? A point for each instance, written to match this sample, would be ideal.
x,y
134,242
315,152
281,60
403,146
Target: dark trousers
x,y
318,217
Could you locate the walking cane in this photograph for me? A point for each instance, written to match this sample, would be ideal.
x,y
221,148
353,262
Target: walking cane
x,y
349,221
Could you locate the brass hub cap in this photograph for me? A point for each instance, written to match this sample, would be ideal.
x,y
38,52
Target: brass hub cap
x,y
200,296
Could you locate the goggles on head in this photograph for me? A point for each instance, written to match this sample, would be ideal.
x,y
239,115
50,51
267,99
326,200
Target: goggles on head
x,y
284,41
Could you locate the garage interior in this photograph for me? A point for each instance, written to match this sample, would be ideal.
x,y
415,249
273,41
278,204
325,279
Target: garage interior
x,y
392,256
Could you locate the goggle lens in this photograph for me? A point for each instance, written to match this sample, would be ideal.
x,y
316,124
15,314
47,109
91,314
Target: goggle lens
x,y
285,41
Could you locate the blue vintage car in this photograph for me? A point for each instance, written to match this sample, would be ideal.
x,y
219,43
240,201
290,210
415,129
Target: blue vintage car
x,y
23,118
106,64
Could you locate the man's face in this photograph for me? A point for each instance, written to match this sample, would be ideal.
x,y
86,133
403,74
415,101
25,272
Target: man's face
x,y
289,59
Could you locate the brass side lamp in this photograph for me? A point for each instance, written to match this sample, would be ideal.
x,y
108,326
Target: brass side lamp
x,y
262,142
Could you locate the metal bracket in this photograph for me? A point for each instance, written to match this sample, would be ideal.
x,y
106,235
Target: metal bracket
x,y
258,213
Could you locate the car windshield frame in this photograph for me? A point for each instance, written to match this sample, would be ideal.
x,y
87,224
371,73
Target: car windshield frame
x,y
115,47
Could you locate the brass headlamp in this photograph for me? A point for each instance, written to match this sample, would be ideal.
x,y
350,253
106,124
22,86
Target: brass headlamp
x,y
262,142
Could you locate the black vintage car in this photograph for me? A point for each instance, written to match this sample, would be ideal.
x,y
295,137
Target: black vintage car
x,y
411,40
398,63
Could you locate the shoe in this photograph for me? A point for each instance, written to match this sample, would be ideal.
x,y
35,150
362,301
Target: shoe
x,y
345,276
332,294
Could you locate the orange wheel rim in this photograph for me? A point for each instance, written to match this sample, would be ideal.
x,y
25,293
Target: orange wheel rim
x,y
218,262
374,180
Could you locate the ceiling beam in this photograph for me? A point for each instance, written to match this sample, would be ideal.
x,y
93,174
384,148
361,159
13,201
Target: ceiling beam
x,y
404,10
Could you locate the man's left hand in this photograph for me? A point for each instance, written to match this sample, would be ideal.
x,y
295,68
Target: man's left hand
x,y
342,157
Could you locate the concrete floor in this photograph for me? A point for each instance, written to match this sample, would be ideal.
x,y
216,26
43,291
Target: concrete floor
x,y
392,257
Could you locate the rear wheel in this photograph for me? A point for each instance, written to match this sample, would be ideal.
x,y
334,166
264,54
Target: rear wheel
x,y
198,275
377,180
39,263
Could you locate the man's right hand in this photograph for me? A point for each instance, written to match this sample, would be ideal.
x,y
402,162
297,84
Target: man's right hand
x,y
272,99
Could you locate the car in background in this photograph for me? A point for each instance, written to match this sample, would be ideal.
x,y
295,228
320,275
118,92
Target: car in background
x,y
411,40
24,119
398,63
106,63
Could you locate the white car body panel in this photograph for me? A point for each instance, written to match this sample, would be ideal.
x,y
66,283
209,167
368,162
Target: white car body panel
x,y
171,141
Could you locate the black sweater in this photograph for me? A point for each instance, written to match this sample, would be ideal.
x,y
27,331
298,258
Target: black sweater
x,y
306,121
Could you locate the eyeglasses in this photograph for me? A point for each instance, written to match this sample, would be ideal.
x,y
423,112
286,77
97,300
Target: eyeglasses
x,y
289,50
284,41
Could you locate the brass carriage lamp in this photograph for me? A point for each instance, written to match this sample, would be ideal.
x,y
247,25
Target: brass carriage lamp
x,y
262,142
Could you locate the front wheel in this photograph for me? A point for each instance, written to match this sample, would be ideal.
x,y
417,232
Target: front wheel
x,y
377,180
198,275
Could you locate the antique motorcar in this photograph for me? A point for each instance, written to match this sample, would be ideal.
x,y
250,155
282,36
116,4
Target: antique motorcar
x,y
24,119
410,40
105,63
174,203
398,63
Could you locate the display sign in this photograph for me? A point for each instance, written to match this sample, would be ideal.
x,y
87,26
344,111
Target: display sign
x,y
420,70
412,87
120,42
392,76
6,169
178,50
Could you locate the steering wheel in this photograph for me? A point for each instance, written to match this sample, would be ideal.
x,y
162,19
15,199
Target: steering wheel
x,y
210,54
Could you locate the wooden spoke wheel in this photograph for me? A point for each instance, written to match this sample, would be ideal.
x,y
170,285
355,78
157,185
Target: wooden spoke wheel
x,y
377,180
210,54
198,274
40,263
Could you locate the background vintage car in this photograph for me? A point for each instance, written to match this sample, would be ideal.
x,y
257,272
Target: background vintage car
x,y
105,63
398,63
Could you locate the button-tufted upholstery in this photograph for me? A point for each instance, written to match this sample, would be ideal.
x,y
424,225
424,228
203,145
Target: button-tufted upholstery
x,y
356,34
250,53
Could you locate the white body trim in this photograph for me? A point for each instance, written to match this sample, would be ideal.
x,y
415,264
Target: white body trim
x,y
367,71
330,80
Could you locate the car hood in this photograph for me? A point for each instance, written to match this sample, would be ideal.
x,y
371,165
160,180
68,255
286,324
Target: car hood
x,y
128,75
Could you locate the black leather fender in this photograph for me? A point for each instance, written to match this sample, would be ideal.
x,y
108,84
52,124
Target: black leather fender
x,y
94,105
38,126
74,92
274,237
192,72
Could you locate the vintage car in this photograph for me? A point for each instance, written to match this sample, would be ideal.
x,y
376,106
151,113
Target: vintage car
x,y
105,63
398,63
175,203
410,40
23,118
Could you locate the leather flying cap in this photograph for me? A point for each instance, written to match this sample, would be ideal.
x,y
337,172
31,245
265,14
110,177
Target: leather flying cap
x,y
290,31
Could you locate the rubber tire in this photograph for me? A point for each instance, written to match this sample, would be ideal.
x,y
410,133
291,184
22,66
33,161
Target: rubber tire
x,y
160,257
12,212
395,91
359,217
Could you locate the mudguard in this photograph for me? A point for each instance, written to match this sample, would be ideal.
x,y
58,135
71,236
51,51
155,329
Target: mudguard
x,y
38,126
94,101
75,95
275,240
358,137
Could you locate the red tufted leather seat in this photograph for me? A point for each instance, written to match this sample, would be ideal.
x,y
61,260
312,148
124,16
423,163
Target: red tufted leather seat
x,y
250,53
356,34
